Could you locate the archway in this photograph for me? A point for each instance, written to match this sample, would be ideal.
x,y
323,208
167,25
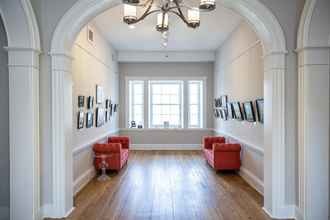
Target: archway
x,y
23,48
4,127
314,59
268,30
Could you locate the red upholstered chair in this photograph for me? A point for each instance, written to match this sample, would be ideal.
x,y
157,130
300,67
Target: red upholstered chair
x,y
116,153
221,156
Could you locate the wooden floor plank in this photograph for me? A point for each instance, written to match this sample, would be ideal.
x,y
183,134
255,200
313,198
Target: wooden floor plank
x,y
169,185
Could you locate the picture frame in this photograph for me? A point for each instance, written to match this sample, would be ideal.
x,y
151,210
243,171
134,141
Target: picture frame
x,y
216,113
90,102
89,119
224,101
223,114
111,109
99,116
238,111
217,102
99,94
260,110
81,101
248,110
80,120
230,110
115,108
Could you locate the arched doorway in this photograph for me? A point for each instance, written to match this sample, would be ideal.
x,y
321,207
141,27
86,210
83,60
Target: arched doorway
x,y
4,127
23,68
268,30
314,61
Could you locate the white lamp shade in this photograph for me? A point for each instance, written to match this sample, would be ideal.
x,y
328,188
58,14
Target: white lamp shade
x,y
129,11
193,15
160,20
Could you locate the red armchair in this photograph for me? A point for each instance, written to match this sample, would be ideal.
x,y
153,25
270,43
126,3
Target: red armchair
x,y
221,156
116,153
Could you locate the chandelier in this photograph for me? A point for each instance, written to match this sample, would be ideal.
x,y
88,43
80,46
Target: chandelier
x,y
163,8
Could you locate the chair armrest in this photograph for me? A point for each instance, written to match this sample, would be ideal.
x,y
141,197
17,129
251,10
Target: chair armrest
x,y
123,140
107,148
226,147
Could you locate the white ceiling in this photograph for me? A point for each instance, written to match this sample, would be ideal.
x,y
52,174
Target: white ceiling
x,y
215,28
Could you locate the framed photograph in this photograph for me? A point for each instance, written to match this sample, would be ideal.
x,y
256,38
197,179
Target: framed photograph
x,y
260,110
107,103
90,102
111,109
230,110
216,113
223,114
238,111
80,120
224,101
106,115
115,108
99,94
99,117
89,119
217,102
81,101
249,112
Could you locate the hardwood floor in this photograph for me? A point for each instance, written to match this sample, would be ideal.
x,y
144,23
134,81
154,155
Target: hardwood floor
x,y
169,185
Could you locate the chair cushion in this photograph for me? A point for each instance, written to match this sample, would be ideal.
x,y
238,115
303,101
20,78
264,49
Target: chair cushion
x,y
226,147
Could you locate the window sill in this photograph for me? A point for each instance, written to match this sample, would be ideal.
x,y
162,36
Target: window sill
x,y
166,129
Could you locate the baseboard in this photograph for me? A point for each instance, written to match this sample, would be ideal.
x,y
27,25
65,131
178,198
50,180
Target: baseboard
x,y
286,212
252,180
47,212
83,180
165,147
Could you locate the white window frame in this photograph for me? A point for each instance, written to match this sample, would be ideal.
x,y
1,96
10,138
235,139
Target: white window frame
x,y
181,95
184,103
200,105
130,91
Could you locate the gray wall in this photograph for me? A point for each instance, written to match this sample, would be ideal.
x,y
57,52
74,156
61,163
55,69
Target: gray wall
x,y
157,137
93,64
4,127
239,74
167,70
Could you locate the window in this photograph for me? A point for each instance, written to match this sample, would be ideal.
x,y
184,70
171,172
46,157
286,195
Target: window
x,y
136,101
176,103
166,104
195,103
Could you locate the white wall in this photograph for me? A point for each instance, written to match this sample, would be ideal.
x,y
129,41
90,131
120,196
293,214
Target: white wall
x,y
92,65
167,69
239,74
4,126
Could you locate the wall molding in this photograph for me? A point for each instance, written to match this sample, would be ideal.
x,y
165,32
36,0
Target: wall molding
x,y
247,144
166,147
166,129
77,150
83,180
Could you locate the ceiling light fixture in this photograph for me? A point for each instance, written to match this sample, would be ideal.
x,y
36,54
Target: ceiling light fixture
x,y
163,8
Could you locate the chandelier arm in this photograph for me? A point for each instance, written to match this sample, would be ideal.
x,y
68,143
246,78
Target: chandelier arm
x,y
146,12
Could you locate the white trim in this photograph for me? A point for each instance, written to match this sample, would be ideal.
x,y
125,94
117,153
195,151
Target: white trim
x,y
165,129
269,31
299,213
251,146
166,56
178,77
83,180
83,147
252,180
166,147
288,211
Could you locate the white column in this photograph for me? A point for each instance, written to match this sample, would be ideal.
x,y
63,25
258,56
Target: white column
x,y
62,136
23,66
314,133
274,135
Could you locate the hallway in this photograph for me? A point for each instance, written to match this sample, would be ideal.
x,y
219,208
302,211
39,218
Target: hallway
x,y
169,185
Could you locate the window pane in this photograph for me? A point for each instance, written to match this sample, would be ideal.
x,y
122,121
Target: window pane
x,y
165,103
195,90
136,101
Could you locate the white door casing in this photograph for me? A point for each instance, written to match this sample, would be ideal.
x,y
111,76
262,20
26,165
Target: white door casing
x,y
313,50
23,64
273,39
